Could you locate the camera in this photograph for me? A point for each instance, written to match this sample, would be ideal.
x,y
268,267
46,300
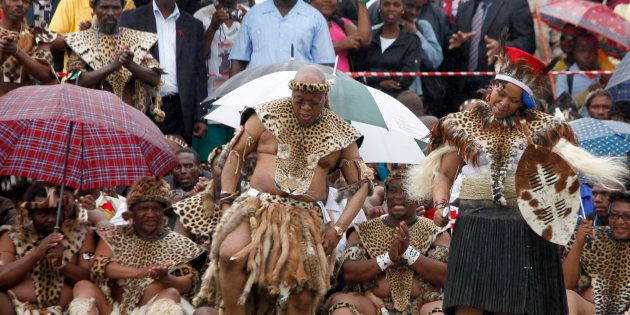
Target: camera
x,y
234,14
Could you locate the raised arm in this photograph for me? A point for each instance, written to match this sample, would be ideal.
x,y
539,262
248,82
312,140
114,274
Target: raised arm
x,y
450,166
571,264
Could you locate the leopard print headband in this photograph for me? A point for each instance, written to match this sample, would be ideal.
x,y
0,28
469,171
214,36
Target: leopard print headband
x,y
311,88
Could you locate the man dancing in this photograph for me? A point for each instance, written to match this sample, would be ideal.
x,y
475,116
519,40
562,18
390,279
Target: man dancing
x,y
272,238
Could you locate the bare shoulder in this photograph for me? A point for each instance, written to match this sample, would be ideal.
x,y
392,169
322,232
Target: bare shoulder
x,y
6,244
350,152
253,126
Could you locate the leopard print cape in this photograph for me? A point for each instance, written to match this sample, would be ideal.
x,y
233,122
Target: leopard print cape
x,y
47,279
476,130
300,147
130,250
30,40
92,50
376,236
607,262
199,214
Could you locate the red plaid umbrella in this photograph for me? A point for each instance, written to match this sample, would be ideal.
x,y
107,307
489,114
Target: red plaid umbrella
x,y
612,30
94,135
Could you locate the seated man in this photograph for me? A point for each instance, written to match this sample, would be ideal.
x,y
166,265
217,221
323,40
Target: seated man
x,y
140,267
603,252
116,59
399,261
37,265
188,178
25,51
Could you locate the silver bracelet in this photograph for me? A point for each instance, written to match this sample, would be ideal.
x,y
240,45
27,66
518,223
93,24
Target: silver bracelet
x,y
411,255
383,261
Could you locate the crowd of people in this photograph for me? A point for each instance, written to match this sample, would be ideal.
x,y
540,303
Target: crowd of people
x,y
286,217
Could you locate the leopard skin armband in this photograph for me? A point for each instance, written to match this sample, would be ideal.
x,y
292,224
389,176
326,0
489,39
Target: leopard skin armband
x,y
99,265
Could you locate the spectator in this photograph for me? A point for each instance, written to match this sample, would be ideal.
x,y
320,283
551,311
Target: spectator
x,y
70,13
567,44
621,111
585,55
602,253
601,202
221,22
123,65
188,177
271,30
345,35
26,57
37,265
142,267
474,45
180,53
393,48
597,105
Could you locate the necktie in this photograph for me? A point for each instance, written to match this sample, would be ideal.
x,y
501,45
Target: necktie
x,y
477,23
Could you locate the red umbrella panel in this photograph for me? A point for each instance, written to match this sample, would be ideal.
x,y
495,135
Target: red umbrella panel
x,y
612,30
107,142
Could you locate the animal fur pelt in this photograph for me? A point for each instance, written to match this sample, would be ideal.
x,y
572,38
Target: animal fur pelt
x,y
419,179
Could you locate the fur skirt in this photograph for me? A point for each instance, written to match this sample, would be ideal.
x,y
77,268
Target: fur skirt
x,y
285,254
498,264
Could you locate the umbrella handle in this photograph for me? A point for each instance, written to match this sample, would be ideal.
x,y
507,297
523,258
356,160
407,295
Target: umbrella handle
x,y
57,227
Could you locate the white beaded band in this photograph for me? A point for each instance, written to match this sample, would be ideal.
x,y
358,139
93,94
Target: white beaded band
x,y
411,255
383,261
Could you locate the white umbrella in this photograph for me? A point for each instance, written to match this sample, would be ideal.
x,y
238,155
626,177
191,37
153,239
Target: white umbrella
x,y
397,144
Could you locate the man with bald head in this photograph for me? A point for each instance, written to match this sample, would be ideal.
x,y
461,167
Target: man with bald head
x,y
272,240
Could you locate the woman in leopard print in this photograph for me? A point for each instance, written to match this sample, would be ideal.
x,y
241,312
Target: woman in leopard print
x,y
497,263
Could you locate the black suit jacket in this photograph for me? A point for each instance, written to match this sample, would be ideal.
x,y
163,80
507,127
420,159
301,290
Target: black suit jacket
x,y
513,14
191,67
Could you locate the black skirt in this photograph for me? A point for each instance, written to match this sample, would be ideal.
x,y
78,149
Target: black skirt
x,y
498,264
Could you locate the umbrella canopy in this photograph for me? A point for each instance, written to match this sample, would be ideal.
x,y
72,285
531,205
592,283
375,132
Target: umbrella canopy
x,y
603,137
612,29
100,140
399,143
619,83
346,93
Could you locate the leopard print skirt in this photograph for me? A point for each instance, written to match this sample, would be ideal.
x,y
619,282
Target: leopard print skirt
x,y
498,264
284,256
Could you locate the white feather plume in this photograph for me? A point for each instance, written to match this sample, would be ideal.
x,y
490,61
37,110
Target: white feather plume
x,y
419,178
602,170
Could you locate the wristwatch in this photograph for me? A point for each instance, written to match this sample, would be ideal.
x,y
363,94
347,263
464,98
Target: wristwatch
x,y
338,230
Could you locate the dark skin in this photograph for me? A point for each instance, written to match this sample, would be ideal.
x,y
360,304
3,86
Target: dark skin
x,y
15,272
392,11
283,6
219,17
14,12
108,14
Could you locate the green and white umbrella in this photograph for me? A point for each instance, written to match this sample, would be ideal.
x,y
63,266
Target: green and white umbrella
x,y
392,132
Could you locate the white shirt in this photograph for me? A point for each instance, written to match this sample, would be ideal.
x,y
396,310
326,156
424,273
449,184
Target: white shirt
x,y
167,33
386,42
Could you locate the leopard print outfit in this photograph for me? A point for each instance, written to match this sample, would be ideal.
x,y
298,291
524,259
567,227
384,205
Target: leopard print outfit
x,y
476,130
284,256
199,214
47,279
376,238
300,147
607,262
130,250
92,50
30,41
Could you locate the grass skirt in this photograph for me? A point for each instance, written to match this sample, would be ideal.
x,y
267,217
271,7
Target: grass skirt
x,y
498,264
285,254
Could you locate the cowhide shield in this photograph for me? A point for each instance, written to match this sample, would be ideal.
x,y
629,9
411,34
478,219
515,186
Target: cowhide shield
x,y
548,193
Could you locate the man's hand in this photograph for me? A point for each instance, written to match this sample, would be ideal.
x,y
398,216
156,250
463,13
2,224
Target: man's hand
x,y
410,26
492,47
125,57
55,255
85,25
87,202
438,219
389,85
375,212
158,272
199,129
420,211
459,38
584,231
330,240
219,17
400,243
8,45
51,241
